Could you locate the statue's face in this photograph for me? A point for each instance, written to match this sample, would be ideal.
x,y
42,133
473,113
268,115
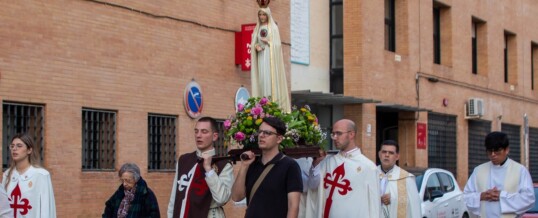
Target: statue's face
x,y
262,16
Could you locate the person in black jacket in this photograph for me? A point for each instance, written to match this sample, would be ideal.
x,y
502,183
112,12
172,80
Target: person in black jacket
x,y
133,198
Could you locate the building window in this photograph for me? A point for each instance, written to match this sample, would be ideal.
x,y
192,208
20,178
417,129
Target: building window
x,y
337,48
514,137
220,144
161,142
98,139
534,63
442,34
510,65
479,46
475,48
436,35
477,131
22,118
390,27
442,142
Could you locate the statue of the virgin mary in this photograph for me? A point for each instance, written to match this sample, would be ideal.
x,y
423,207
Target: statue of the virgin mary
x,y
268,75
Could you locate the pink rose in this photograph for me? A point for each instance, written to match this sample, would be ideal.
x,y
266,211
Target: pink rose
x,y
227,124
239,136
240,107
256,111
264,101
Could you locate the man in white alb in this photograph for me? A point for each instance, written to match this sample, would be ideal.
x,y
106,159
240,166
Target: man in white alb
x,y
500,187
345,184
399,194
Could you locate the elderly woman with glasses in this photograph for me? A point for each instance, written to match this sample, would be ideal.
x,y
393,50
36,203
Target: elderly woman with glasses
x,y
133,198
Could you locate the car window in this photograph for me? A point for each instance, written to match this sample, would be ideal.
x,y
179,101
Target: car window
x,y
432,185
419,179
446,181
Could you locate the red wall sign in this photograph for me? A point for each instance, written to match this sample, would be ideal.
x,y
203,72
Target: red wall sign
x,y
242,46
421,135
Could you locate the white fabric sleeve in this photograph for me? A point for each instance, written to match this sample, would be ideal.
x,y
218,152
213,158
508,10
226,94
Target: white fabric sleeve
x,y
221,185
46,196
471,196
209,173
413,198
522,200
171,203
5,212
314,178
374,195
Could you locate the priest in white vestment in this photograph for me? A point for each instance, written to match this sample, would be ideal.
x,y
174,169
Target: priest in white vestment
x,y
399,194
345,184
500,187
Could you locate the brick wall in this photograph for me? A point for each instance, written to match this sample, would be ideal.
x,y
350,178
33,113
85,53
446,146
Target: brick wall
x,y
372,72
73,54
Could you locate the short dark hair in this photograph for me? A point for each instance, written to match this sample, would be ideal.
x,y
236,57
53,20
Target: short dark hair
x,y
392,143
496,140
276,123
211,121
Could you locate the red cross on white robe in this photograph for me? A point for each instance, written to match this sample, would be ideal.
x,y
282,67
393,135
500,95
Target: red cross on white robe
x,y
16,198
337,183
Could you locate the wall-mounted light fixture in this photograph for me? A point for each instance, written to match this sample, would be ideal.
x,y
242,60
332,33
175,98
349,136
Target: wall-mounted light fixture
x,y
433,79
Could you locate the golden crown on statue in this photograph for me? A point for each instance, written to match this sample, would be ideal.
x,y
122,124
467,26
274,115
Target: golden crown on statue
x,y
263,3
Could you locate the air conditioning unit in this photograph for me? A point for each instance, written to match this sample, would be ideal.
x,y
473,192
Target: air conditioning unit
x,y
475,107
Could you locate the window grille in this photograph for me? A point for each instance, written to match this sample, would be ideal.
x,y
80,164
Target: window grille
x,y
98,139
514,137
22,118
477,131
220,145
442,142
161,142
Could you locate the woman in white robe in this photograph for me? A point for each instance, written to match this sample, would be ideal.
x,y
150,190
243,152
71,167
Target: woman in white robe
x,y
268,75
28,186
5,211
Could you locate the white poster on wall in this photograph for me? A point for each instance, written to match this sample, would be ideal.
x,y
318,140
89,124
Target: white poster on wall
x,y
300,32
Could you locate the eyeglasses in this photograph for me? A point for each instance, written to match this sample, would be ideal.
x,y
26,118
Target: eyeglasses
x,y
494,151
128,181
338,134
266,133
16,146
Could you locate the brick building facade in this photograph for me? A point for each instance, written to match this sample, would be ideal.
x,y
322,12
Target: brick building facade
x,y
425,61
132,59
421,61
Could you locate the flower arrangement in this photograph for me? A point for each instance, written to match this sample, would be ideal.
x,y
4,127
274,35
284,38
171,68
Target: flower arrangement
x,y
302,125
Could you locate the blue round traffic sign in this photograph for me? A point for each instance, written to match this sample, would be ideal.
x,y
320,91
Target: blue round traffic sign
x,y
193,99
